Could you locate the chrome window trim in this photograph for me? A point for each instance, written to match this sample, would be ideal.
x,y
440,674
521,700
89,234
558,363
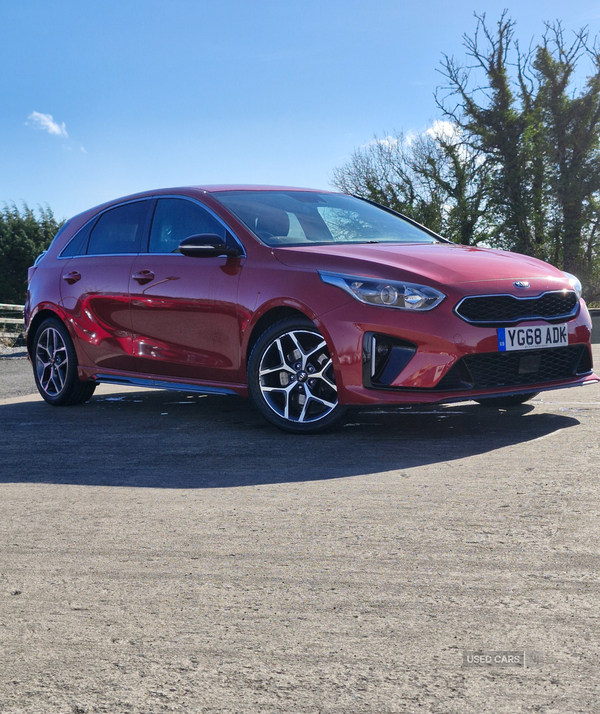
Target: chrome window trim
x,y
146,252
100,255
565,316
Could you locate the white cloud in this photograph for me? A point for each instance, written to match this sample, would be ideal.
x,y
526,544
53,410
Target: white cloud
x,y
46,122
441,129
387,141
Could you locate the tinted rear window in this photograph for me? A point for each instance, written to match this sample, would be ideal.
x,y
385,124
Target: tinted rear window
x,y
119,230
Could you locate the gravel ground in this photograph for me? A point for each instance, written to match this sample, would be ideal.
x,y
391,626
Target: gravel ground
x,y
161,552
8,352
16,377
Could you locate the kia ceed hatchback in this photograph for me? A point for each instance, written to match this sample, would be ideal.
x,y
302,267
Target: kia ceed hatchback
x,y
306,301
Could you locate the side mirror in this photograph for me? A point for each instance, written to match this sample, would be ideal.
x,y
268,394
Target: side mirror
x,y
206,245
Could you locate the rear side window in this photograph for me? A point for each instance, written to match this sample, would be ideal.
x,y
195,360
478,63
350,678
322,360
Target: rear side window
x,y
78,243
176,219
119,230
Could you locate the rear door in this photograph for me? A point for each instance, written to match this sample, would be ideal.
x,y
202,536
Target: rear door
x,y
95,284
184,310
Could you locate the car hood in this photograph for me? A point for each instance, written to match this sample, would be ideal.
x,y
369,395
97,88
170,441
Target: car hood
x,y
441,263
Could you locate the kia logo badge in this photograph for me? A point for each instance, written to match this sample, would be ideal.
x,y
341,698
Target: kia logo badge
x,y
521,284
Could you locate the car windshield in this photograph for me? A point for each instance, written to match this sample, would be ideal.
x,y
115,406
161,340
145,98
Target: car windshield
x,y
295,218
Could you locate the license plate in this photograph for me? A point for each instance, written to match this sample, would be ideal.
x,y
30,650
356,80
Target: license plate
x,y
532,338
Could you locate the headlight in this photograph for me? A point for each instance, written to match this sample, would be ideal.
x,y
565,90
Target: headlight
x,y
386,293
575,283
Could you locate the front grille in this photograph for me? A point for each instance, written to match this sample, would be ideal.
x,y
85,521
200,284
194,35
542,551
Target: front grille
x,y
515,369
491,310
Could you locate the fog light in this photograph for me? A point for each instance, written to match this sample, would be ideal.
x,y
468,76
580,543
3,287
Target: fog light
x,y
384,357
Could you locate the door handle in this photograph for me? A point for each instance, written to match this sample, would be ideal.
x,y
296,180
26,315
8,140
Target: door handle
x,y
144,276
72,277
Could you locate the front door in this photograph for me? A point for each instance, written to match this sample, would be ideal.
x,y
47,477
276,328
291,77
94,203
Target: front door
x,y
184,310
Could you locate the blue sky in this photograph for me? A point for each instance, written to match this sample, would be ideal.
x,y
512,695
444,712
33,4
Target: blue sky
x,y
151,93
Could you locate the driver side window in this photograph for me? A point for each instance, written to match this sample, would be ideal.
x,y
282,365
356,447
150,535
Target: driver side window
x,y
176,219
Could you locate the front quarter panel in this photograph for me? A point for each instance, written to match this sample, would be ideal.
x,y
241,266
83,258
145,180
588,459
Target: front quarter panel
x,y
266,285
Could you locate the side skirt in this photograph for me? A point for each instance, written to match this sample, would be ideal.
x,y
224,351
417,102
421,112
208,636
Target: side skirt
x,y
161,384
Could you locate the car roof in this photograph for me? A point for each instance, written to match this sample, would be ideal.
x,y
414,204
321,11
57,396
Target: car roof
x,y
79,219
216,188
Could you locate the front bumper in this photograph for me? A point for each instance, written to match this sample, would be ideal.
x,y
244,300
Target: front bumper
x,y
441,340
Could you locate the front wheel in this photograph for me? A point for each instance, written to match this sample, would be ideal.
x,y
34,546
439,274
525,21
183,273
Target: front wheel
x,y
291,379
513,400
55,366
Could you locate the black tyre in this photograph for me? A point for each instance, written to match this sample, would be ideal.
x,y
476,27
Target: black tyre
x,y
291,379
55,366
512,400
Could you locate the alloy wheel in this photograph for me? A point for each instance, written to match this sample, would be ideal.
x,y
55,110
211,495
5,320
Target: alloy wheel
x,y
51,361
296,377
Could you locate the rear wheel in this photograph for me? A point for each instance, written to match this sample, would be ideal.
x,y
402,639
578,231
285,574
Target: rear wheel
x,y
291,379
55,366
512,400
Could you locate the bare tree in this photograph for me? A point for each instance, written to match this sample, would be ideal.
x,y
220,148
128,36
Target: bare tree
x,y
436,178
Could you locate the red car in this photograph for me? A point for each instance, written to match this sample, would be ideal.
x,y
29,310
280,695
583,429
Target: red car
x,y
306,301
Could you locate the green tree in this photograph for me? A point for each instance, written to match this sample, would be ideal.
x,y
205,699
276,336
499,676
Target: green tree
x,y
23,236
519,168
541,135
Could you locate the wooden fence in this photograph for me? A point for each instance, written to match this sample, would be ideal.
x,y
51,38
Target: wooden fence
x,y
11,320
595,315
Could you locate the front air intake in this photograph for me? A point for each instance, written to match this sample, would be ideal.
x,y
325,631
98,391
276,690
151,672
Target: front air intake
x,y
493,370
384,357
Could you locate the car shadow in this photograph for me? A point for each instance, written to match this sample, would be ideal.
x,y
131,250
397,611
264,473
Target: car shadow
x,y
172,440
